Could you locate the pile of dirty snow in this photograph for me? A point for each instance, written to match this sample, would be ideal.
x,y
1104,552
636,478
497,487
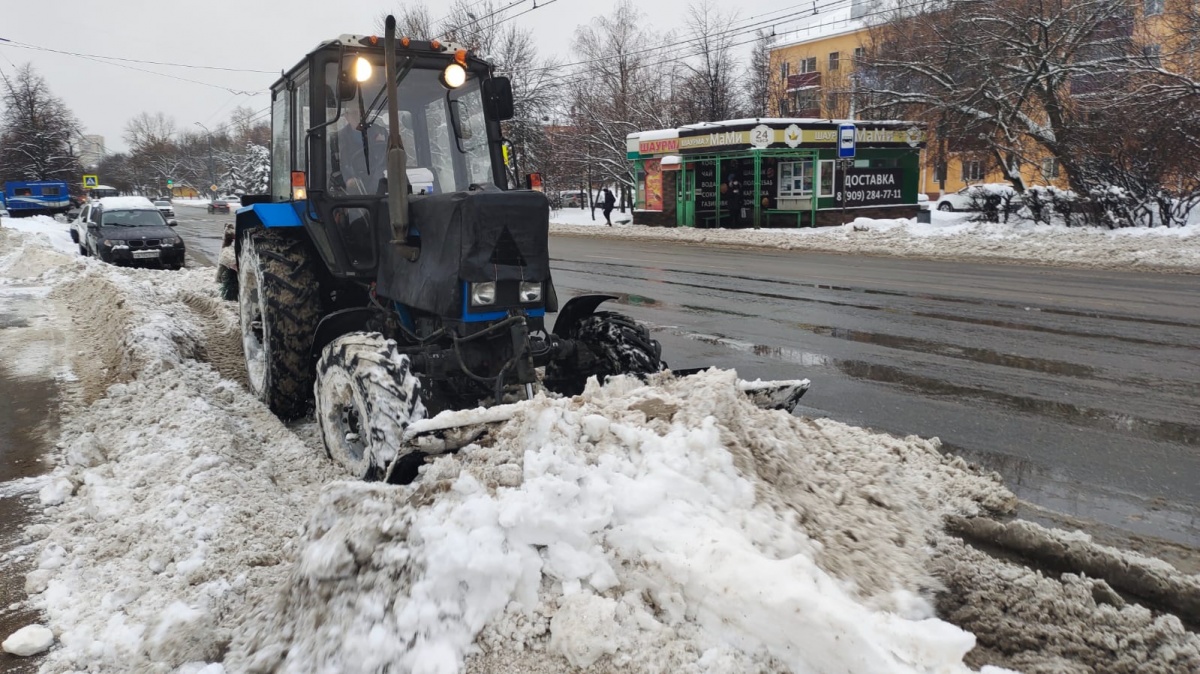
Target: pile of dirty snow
x,y
670,526
949,236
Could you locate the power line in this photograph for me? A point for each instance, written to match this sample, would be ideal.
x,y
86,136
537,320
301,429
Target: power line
x,y
26,45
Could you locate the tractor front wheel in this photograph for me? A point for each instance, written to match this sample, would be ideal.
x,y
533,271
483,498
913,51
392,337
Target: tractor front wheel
x,y
279,307
620,344
366,395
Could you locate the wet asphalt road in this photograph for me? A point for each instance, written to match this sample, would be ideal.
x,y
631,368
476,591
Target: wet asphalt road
x,y
202,233
1081,388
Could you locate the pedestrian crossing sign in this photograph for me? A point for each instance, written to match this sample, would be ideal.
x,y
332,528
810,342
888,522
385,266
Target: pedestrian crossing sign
x,y
91,181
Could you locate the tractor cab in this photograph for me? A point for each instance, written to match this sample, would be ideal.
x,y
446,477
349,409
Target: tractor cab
x,y
330,124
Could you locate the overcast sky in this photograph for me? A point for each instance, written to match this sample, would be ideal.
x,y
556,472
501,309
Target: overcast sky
x,y
266,35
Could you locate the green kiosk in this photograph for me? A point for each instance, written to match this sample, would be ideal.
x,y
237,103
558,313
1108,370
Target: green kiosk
x,y
775,173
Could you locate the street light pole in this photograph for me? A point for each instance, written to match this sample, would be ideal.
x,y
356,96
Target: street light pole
x,y
212,172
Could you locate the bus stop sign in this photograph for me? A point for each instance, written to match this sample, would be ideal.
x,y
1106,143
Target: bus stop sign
x,y
846,140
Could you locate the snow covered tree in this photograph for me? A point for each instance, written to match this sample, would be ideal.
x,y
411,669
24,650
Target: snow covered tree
x,y
37,131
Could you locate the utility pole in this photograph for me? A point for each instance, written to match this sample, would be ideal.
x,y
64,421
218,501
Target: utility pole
x,y
212,171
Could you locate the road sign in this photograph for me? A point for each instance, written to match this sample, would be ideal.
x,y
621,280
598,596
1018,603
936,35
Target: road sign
x,y
91,181
212,187
170,182
847,134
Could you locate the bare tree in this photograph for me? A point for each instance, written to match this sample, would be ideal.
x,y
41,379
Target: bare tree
x,y
148,130
711,91
999,73
761,86
625,89
37,131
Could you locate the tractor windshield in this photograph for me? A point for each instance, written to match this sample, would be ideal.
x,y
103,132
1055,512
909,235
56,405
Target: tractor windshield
x,y
444,132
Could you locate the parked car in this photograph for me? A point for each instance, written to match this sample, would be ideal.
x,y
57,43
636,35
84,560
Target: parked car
x,y
218,206
131,231
165,208
974,197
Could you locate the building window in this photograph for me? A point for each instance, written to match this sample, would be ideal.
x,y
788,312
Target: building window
x,y
784,70
808,99
795,179
1152,54
826,178
972,171
808,65
1153,7
859,53
1050,168
939,172
835,59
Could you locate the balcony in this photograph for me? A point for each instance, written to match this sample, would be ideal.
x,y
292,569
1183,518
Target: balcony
x,y
803,81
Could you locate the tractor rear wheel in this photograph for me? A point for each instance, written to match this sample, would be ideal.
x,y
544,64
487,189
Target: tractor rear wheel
x,y
621,344
279,307
366,395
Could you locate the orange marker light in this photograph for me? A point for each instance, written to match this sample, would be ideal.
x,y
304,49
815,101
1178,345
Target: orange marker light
x,y
460,56
374,40
297,178
435,44
404,42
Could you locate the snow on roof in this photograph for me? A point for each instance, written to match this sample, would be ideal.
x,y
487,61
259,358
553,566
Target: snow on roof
x,y
127,203
657,134
778,121
835,17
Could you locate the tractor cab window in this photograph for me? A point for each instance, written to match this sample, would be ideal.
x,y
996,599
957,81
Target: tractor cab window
x,y
444,134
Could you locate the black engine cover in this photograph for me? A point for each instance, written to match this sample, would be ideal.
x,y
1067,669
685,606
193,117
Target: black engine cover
x,y
475,236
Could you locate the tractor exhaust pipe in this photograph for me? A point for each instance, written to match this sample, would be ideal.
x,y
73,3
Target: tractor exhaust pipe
x,y
396,159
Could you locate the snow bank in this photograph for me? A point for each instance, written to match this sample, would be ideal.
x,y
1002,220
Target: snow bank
x,y
950,236
53,231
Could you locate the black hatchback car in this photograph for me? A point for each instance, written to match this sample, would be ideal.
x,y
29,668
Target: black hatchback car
x,y
132,231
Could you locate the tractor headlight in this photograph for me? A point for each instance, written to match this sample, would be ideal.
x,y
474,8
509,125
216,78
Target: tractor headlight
x,y
483,293
530,292
362,69
454,76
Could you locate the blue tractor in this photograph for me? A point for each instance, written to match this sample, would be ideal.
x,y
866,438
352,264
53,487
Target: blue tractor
x,y
390,274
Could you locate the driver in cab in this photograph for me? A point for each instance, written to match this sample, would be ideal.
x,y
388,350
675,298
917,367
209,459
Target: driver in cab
x,y
358,155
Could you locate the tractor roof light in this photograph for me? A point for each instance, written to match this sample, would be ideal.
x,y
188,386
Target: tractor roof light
x,y
454,76
435,45
362,69
460,57
405,41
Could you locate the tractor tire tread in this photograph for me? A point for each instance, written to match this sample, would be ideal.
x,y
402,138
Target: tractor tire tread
x,y
391,393
288,285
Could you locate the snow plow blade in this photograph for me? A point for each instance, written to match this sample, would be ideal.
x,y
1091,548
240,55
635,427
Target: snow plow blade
x,y
453,430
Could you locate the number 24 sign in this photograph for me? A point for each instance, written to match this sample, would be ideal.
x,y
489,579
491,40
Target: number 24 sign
x,y
761,136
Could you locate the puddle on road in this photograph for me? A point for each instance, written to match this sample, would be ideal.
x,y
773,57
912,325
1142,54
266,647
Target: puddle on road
x,y
26,418
978,355
1152,527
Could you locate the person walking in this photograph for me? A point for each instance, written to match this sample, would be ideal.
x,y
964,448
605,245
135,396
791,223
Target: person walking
x,y
609,201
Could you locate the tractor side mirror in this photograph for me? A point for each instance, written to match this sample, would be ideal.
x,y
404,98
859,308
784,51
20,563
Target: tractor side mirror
x,y
346,87
498,96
